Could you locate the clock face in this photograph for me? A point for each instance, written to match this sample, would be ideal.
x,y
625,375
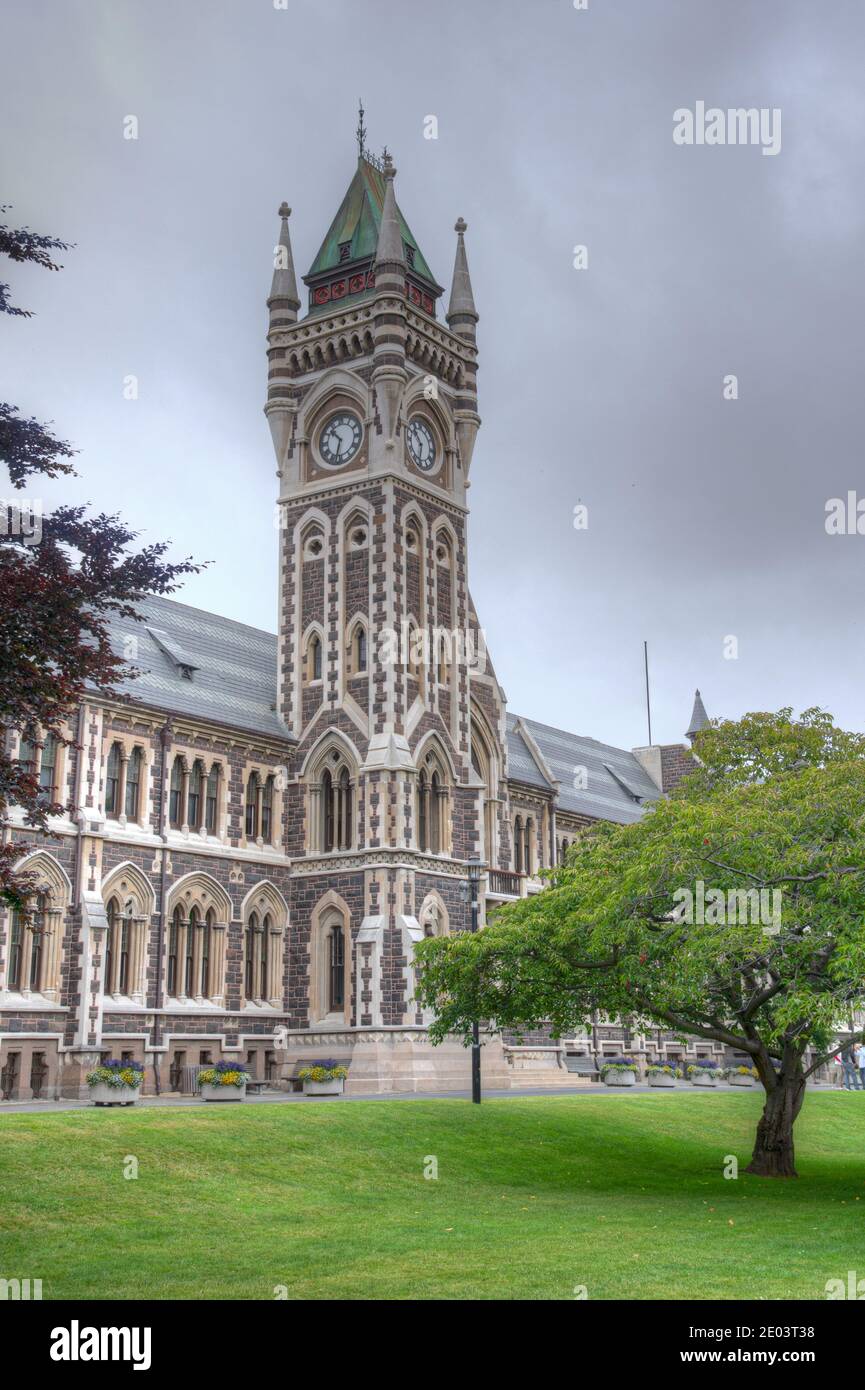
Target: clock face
x,y
421,445
340,439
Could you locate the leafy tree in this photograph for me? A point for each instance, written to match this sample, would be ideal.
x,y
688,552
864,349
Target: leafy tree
x,y
57,593
610,932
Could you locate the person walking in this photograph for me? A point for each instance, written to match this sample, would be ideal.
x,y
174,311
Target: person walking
x,y
859,1053
852,1078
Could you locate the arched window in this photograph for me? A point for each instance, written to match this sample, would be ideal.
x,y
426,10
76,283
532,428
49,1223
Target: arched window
x,y
263,980
422,809
16,950
189,953
117,950
360,649
249,957
414,653
206,954
343,810
212,801
528,857
196,790
336,969
519,844
175,794
253,786
133,784
174,936
337,795
38,926
435,814
112,781
313,658
267,811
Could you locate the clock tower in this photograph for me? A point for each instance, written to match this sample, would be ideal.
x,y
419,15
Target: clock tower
x,y
372,407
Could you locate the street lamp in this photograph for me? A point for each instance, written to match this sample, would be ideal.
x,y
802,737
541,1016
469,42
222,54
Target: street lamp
x,y
476,868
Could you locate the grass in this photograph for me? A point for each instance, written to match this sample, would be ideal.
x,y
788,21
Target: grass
x,y
534,1196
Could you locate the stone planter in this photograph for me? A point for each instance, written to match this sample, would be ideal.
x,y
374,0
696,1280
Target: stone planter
x,y
741,1080
209,1092
114,1095
620,1078
661,1080
324,1088
698,1080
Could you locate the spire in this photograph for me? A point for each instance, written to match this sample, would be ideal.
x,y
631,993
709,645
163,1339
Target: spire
x,y
462,315
361,130
699,717
283,301
389,250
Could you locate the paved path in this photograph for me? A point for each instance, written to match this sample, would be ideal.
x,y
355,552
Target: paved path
x,y
41,1107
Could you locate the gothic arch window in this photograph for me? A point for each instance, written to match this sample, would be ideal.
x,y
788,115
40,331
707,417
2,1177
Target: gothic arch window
x,y
414,652
177,793
132,799
330,962
267,810
211,804
263,937
112,781
314,658
117,946
43,761
195,805
253,788
433,804
484,768
332,789
357,649
519,844
528,845
336,968
35,933
200,911
28,960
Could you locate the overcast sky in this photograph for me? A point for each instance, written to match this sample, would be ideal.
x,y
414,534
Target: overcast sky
x,y
601,387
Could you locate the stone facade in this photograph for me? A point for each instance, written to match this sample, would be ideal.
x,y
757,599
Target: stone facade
x,y
246,876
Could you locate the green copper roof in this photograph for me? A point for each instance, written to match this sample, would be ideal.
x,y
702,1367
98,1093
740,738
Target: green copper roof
x,y
358,221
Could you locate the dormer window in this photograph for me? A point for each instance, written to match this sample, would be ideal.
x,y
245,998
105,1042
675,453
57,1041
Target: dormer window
x,y
345,251
185,672
409,254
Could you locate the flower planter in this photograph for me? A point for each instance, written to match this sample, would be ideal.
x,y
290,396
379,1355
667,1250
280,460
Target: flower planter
x,y
704,1080
741,1080
660,1079
114,1095
324,1088
210,1092
620,1078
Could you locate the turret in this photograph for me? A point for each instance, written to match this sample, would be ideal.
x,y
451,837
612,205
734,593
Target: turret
x,y
283,305
462,318
389,370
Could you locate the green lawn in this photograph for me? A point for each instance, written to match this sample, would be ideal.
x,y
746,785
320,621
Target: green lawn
x,y
534,1196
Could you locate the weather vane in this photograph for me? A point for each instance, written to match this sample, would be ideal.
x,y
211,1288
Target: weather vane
x,y
361,129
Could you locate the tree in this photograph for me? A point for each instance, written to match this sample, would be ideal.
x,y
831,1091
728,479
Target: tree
x,y
664,921
58,587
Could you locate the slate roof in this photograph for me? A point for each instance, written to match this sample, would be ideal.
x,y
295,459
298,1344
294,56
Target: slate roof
x,y
610,772
234,684
234,676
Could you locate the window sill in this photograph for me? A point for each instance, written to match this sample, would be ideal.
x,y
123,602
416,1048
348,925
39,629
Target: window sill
x,y
15,999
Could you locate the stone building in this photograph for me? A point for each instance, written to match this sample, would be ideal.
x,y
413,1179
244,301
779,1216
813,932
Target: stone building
x,y
259,831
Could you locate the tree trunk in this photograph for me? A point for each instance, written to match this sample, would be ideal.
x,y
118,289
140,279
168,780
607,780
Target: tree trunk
x,y
773,1155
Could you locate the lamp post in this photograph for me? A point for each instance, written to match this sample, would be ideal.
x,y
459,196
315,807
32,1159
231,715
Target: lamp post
x,y
475,869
